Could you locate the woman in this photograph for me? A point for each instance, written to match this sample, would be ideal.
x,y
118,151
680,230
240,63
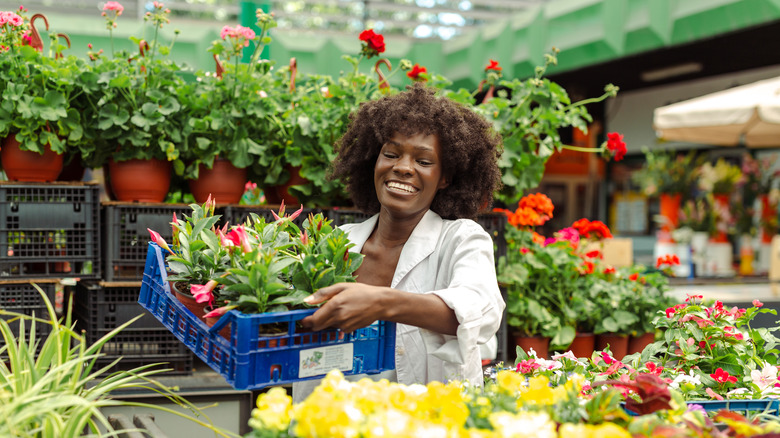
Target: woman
x,y
424,165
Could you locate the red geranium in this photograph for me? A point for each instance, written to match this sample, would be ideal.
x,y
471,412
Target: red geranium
x,y
616,146
723,376
493,65
414,73
668,259
595,229
374,43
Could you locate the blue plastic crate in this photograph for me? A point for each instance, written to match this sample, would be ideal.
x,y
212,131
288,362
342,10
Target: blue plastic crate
x,y
249,360
764,405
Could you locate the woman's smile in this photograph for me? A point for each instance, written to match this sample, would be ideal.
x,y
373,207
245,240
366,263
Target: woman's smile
x,y
404,188
408,173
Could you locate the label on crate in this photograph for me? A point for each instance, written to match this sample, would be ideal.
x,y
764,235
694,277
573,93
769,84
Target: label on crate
x,y
318,361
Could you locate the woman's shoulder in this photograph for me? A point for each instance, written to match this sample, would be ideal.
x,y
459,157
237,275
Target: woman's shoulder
x,y
462,227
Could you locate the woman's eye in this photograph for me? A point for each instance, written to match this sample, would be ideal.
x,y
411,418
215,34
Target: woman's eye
x,y
389,155
425,162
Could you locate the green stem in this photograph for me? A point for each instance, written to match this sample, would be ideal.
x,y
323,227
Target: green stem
x,y
111,37
583,149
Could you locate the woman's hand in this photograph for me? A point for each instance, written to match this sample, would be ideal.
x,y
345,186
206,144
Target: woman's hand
x,y
349,306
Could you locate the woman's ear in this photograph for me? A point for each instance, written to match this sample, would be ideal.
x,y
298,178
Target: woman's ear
x,y
444,182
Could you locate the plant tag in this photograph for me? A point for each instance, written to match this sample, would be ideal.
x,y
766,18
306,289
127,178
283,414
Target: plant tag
x,y
318,361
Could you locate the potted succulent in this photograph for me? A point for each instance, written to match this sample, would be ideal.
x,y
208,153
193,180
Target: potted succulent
x,y
232,115
39,118
133,113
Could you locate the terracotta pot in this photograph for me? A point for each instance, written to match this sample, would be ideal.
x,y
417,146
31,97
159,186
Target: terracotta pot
x,y
29,166
540,345
225,332
670,209
140,180
618,344
224,182
636,344
282,190
196,308
275,340
583,344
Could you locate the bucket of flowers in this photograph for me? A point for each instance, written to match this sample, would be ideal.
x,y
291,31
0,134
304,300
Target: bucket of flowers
x,y
258,274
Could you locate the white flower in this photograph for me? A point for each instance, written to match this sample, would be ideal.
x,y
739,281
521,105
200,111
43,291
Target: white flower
x,y
765,378
691,379
738,391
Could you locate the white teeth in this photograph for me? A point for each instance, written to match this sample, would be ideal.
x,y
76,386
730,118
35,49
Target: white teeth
x,y
404,187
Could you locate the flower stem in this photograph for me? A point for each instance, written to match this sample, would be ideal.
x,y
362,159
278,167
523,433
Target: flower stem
x,y
583,149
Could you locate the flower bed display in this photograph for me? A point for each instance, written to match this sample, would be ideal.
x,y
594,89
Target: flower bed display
x,y
250,359
509,406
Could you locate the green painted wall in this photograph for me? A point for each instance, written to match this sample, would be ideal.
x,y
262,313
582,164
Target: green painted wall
x,y
587,32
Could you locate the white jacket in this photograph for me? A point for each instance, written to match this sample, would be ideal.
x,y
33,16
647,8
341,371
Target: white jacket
x,y
454,260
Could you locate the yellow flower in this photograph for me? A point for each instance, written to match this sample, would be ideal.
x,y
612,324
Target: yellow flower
x,y
604,430
273,409
538,392
510,382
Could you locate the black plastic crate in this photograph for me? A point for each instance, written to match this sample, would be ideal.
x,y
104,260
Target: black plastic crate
x,y
25,299
49,230
100,306
341,216
495,225
142,347
126,235
237,214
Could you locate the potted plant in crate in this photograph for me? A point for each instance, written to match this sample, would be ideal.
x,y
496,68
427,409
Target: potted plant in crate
x,y
232,115
134,116
39,119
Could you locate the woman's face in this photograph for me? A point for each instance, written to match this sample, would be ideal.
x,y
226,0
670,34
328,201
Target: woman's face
x,y
408,173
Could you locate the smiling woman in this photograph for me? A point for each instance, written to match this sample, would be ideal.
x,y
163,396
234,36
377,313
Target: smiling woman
x,y
424,165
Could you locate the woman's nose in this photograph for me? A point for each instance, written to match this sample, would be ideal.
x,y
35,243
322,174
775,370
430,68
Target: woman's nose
x,y
403,165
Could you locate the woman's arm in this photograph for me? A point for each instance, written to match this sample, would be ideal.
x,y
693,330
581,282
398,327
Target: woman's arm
x,y
351,306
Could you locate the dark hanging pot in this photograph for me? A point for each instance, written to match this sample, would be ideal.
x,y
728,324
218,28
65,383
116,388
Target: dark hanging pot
x,y
139,180
29,166
224,182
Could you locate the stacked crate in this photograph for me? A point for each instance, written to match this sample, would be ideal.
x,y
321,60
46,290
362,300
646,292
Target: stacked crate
x,y
48,233
103,305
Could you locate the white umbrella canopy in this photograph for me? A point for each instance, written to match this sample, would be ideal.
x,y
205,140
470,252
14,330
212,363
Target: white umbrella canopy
x,y
747,115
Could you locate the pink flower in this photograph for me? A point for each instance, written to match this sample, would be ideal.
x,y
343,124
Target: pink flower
x,y
527,366
239,237
524,250
219,311
250,186
757,303
113,6
202,293
156,238
712,394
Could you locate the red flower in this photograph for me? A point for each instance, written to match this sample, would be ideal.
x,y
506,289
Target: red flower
x,y
493,66
616,145
722,376
633,277
374,43
589,267
414,73
668,259
609,270
593,254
